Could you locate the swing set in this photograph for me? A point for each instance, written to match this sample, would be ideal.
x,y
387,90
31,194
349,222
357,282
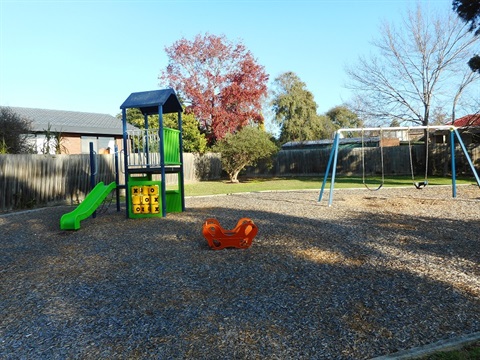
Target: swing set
x,y
418,184
332,161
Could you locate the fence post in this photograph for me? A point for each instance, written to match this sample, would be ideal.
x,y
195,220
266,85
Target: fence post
x,y
117,177
93,172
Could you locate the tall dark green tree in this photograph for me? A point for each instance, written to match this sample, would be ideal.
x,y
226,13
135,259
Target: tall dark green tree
x,y
14,132
469,11
295,110
342,117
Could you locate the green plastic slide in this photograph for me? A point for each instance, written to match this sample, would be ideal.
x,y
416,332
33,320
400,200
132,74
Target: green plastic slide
x,y
71,220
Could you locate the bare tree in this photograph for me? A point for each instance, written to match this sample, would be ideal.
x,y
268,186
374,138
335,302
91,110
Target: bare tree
x,y
419,66
469,76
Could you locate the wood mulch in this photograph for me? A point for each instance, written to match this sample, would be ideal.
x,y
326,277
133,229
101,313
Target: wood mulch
x,y
376,273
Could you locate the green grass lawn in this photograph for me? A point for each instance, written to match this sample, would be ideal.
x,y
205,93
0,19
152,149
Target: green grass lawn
x,y
304,183
469,352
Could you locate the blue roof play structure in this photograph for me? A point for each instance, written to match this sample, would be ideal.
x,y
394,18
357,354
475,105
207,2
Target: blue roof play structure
x,y
149,102
153,151
147,152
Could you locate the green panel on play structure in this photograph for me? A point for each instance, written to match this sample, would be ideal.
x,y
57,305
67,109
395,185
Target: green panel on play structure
x,y
171,138
174,201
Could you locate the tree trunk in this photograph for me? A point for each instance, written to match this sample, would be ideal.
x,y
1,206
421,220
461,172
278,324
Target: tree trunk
x,y
234,176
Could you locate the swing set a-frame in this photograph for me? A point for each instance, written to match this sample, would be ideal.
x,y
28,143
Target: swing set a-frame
x,y
332,161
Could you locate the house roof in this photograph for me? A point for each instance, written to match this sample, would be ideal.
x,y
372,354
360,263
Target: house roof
x,y
149,101
72,121
468,120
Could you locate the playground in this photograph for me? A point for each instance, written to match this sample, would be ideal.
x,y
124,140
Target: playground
x,y
373,274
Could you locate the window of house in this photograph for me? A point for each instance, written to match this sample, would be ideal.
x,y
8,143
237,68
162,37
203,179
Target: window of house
x,y
38,144
100,143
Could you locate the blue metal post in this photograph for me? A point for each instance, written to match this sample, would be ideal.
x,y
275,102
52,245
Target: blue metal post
x,y
327,171
146,144
334,170
181,175
125,158
93,171
468,157
454,178
162,160
117,177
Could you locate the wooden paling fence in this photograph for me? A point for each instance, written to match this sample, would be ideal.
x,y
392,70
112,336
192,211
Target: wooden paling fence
x,y
28,181
313,162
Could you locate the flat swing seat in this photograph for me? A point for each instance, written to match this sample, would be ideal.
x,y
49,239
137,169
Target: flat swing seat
x,y
239,237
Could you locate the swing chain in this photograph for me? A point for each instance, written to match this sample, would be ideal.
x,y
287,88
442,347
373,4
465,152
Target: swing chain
x,y
419,184
381,161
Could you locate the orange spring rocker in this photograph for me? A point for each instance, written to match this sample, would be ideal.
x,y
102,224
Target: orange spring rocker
x,y
240,237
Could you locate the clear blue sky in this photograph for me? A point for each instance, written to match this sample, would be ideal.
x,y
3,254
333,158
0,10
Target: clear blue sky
x,y
90,55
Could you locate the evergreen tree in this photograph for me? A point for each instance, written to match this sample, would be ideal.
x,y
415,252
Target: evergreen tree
x,y
296,110
343,117
469,11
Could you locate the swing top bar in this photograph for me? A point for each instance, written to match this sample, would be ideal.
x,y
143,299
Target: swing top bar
x,y
397,128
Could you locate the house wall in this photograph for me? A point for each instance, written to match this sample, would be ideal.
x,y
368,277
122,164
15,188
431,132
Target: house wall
x,y
390,142
469,136
73,143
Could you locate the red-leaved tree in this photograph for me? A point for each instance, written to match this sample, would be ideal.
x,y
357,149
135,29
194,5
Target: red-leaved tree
x,y
219,81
